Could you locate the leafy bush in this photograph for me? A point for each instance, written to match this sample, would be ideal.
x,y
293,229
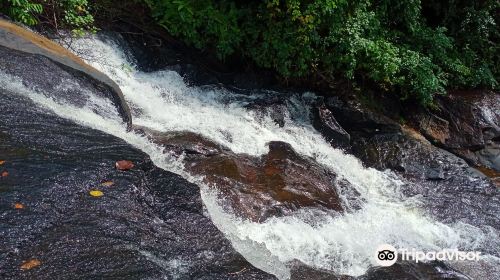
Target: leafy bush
x,y
77,16
23,11
389,42
73,14
414,48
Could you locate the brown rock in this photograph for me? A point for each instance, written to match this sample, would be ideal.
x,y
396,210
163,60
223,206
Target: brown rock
x,y
257,188
467,124
435,128
275,184
124,165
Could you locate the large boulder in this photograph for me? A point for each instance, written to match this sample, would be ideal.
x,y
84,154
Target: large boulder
x,y
442,179
358,119
43,65
257,188
466,124
327,125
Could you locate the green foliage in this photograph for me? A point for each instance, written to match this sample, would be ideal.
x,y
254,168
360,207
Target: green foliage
x,y
202,23
23,11
393,43
414,48
77,16
73,14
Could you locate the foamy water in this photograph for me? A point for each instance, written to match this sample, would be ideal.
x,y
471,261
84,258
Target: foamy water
x,y
345,244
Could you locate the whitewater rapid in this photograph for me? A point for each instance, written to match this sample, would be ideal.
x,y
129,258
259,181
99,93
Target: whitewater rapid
x,y
163,101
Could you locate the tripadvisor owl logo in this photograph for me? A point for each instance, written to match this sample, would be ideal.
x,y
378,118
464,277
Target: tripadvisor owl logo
x,y
386,255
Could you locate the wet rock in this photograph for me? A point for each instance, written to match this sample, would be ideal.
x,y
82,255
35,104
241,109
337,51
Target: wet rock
x,y
301,271
492,174
435,173
357,118
435,128
442,180
179,143
400,270
256,188
466,124
150,225
45,65
274,185
273,107
414,271
489,156
474,118
327,125
157,50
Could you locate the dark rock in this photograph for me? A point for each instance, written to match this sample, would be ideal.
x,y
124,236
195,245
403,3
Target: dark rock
x,y
356,118
399,271
474,118
435,173
150,225
466,124
327,125
301,271
44,64
272,106
443,180
489,156
414,271
157,50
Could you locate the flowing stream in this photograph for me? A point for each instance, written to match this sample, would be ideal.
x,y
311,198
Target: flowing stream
x,y
164,101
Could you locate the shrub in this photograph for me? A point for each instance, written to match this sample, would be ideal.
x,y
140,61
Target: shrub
x,y
23,11
389,42
72,14
414,48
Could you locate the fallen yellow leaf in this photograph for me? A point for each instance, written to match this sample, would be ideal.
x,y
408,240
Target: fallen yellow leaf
x,y
18,206
30,264
107,183
2,162
96,193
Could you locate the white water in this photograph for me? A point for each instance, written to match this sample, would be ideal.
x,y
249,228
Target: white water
x,y
163,101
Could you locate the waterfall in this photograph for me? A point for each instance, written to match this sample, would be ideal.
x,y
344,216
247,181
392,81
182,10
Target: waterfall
x,y
165,102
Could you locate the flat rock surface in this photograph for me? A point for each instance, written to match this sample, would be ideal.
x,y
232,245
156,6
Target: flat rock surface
x,y
149,224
